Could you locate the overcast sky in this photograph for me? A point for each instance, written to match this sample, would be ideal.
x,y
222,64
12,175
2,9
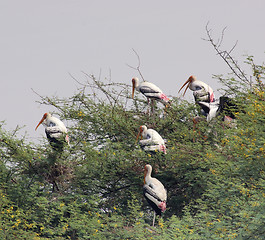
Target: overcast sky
x,y
43,41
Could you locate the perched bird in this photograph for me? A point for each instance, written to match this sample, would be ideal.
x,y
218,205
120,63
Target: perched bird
x,y
204,97
209,110
201,91
151,91
151,140
54,129
225,106
154,192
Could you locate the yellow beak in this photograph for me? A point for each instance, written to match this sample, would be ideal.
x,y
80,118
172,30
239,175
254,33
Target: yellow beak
x,y
187,82
40,123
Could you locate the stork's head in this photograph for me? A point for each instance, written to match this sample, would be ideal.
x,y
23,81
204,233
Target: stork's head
x,y
189,82
44,118
135,83
147,170
201,91
141,130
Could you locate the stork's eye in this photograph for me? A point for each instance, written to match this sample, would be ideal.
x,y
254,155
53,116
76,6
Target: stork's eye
x,y
52,124
198,88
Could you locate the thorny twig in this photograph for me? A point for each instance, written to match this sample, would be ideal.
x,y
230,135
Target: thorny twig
x,y
138,66
226,55
47,101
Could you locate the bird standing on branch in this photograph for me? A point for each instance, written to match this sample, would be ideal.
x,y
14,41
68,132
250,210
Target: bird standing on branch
x,y
151,91
204,96
154,192
201,91
54,129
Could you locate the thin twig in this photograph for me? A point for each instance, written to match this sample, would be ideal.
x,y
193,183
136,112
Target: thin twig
x,y
138,66
226,56
222,37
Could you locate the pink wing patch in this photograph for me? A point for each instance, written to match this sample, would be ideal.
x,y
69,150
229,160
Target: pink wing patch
x,y
212,97
162,148
162,206
67,139
164,97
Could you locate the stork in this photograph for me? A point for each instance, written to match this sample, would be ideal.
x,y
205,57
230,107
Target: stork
x,y
201,91
224,105
151,140
204,96
154,192
54,129
151,91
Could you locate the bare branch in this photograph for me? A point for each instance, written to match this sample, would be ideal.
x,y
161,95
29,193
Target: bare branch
x,y
138,66
222,37
99,86
139,61
232,48
226,56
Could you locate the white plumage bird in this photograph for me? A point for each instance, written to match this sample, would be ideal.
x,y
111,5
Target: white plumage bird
x,y
210,110
150,90
201,91
151,140
154,192
204,96
210,107
54,128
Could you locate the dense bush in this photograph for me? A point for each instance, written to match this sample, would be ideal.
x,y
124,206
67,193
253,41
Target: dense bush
x,y
214,174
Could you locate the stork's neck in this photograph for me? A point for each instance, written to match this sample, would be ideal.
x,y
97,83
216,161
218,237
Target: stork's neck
x,y
143,134
147,175
136,82
143,131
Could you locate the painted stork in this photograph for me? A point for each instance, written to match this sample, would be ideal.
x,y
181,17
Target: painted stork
x,y
54,129
151,140
151,91
225,105
210,110
154,192
201,91
204,97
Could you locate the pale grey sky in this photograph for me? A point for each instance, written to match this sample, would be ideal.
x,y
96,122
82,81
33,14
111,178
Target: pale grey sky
x,y
43,41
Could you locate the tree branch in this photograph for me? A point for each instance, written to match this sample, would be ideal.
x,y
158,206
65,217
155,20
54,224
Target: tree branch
x,y
226,55
138,66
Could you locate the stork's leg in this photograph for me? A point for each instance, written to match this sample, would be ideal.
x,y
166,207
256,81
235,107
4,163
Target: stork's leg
x,y
148,103
154,218
152,106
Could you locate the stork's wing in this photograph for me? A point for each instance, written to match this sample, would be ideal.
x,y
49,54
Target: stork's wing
x,y
147,142
205,107
211,109
53,132
228,106
150,191
146,90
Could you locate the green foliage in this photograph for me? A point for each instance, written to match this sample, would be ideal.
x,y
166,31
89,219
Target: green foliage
x,y
214,173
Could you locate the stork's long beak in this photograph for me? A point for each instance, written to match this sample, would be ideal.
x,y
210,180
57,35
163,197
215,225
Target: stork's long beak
x,y
187,82
145,172
40,123
133,89
139,133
